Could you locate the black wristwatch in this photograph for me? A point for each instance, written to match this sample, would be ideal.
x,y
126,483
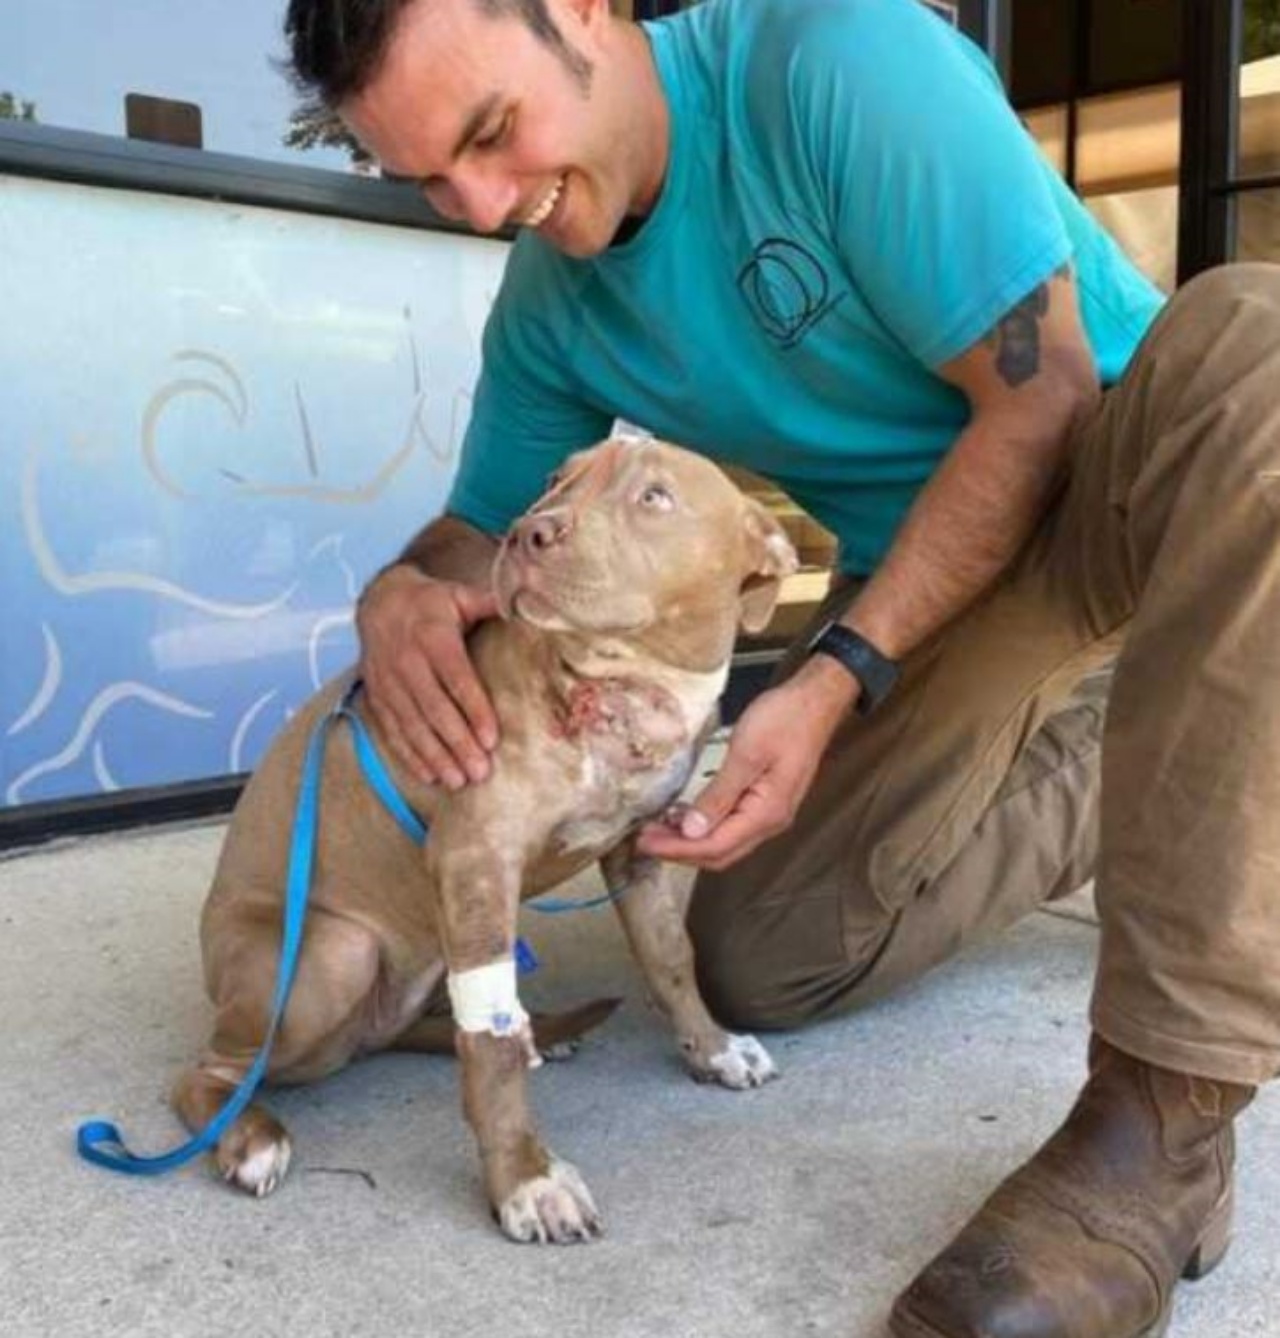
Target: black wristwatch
x,y
875,672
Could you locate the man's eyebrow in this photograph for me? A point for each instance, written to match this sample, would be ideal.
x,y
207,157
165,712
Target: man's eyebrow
x,y
475,123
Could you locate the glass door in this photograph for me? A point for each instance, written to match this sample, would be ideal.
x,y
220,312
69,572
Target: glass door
x,y
1255,181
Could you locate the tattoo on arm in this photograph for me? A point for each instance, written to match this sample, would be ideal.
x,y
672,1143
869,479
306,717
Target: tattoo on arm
x,y
1016,338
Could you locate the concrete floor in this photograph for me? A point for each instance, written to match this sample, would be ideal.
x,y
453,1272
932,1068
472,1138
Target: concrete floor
x,y
799,1209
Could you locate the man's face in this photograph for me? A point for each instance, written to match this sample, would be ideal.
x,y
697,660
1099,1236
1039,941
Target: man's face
x,y
499,127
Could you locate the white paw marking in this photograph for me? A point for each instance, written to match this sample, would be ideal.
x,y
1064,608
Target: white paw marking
x,y
262,1172
555,1208
743,1063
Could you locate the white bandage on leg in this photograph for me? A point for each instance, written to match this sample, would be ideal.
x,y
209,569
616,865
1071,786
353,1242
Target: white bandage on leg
x,y
485,999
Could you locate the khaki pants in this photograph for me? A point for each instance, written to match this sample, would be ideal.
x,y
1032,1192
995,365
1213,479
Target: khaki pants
x,y
974,794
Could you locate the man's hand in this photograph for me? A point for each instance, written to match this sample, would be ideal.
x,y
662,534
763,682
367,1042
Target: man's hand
x,y
774,751
422,689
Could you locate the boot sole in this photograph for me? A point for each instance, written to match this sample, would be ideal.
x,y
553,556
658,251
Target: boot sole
x,y
1207,1255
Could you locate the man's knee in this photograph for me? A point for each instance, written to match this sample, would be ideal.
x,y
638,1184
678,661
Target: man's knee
x,y
776,966
1205,383
1219,324
1227,287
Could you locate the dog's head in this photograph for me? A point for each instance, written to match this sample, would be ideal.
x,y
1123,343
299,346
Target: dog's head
x,y
641,540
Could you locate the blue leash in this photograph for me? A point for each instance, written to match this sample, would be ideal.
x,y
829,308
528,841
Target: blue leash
x,y
99,1141
379,778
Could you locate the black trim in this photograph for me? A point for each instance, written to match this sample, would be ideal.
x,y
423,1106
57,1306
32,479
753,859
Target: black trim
x,y
35,824
1117,89
989,23
1210,116
107,160
1243,185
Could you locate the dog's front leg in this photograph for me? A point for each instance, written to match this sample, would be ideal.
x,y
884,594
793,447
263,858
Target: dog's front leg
x,y
534,1195
652,901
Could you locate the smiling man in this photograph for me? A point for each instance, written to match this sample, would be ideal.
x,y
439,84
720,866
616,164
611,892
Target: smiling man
x,y
811,237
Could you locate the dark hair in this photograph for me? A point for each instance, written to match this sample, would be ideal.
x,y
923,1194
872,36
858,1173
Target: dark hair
x,y
336,46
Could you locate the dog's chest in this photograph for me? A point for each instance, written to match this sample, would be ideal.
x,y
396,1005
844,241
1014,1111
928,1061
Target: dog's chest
x,y
612,804
636,749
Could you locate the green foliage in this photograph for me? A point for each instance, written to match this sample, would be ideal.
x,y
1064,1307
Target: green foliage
x,y
15,109
312,125
1261,29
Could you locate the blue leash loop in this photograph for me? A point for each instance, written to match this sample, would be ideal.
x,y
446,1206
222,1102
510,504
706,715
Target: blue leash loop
x,y
100,1141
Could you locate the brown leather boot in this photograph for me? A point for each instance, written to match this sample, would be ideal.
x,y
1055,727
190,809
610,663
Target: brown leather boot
x,y
1089,1237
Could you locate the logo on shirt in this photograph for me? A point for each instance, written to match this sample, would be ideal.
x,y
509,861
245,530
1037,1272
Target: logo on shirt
x,y
786,288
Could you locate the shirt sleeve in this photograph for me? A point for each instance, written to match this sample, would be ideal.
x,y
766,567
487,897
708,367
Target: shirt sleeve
x,y
938,198
525,420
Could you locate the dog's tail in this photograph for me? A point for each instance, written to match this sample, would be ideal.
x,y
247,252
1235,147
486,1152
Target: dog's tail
x,y
433,1034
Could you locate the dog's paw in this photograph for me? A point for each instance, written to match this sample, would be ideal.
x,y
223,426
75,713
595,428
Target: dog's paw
x,y
742,1063
555,1208
256,1162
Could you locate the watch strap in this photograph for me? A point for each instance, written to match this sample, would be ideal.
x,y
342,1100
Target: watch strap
x,y
875,672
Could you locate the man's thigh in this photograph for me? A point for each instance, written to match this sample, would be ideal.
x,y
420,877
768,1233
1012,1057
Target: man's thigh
x,y
795,931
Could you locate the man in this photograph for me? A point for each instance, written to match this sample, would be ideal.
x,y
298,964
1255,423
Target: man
x,y
810,236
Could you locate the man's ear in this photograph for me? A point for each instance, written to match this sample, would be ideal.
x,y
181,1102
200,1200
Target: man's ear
x,y
769,558
589,13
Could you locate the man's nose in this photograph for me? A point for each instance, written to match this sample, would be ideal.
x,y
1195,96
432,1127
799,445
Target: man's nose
x,y
485,200
544,530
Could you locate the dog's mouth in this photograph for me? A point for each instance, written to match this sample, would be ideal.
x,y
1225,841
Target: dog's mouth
x,y
517,587
559,601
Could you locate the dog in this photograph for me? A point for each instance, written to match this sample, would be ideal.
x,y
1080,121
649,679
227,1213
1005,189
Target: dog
x,y
621,592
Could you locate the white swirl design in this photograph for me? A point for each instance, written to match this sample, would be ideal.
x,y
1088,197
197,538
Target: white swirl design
x,y
95,582
101,704
323,625
235,760
48,686
107,783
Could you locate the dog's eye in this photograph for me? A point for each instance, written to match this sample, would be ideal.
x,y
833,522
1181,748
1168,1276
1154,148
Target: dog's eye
x,y
657,498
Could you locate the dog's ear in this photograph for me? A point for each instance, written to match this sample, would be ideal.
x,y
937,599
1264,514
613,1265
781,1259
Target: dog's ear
x,y
770,558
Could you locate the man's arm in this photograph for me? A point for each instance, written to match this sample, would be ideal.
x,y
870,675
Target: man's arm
x,y
449,549
1029,381
412,621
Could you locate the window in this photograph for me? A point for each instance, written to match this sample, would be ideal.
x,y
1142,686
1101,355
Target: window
x,y
1258,90
1097,85
160,69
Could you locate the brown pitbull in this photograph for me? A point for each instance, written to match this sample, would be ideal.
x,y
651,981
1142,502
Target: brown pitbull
x,y
622,591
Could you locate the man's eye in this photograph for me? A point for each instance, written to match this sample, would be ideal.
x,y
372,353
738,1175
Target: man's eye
x,y
496,136
656,497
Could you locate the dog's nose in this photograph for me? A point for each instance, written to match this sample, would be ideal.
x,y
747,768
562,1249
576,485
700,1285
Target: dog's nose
x,y
542,531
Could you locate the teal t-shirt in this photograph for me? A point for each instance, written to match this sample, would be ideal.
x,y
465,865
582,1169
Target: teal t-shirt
x,y
850,202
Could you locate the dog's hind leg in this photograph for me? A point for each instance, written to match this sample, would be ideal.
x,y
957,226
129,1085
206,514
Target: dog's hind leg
x,y
255,1151
324,1024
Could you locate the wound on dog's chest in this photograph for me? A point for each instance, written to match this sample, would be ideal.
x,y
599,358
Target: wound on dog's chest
x,y
633,724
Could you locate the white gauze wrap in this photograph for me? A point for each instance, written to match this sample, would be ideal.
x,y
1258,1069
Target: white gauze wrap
x,y
485,999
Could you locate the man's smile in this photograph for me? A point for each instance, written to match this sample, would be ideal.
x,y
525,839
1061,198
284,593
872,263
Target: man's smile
x,y
539,215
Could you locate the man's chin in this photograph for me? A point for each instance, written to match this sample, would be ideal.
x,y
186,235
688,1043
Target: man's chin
x,y
577,247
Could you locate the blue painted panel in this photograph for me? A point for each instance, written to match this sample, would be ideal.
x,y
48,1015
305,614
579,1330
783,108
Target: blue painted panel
x,y
216,423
